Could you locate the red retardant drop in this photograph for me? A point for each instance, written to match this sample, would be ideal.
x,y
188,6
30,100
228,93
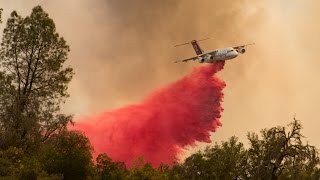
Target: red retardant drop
x,y
159,127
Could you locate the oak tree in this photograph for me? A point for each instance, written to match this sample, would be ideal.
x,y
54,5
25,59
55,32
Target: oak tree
x,y
281,154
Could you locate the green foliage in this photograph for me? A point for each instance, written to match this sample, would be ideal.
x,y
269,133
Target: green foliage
x,y
34,143
69,154
225,161
281,154
15,164
143,170
33,79
11,162
278,154
1,15
32,169
107,169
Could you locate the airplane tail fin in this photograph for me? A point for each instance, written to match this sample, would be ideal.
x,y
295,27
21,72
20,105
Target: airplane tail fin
x,y
195,45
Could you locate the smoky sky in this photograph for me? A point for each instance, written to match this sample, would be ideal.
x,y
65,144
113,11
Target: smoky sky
x,y
135,42
121,50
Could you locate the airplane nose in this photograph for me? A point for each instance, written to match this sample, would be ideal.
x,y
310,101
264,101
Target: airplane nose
x,y
235,53
232,54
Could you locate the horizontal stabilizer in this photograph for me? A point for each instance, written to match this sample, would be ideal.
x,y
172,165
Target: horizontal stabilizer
x,y
235,47
191,42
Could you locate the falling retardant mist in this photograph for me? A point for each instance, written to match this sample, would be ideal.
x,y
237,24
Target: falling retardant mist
x,y
159,127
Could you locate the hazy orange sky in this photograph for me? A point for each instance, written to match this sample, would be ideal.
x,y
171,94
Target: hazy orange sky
x,y
121,50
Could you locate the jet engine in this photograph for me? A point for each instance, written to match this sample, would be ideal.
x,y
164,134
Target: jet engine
x,y
209,56
201,59
241,50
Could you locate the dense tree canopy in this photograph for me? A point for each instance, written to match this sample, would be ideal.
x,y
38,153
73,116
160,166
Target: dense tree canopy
x,y
225,161
107,169
278,154
68,153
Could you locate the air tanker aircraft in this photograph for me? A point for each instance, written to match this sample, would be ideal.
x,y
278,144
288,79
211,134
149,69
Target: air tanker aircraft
x,y
221,54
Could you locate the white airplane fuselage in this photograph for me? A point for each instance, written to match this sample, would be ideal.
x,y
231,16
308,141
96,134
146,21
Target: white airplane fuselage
x,y
221,54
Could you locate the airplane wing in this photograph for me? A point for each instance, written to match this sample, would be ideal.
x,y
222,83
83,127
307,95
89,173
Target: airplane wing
x,y
241,46
189,59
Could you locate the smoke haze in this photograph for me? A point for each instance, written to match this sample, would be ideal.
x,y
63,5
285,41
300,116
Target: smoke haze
x,y
123,49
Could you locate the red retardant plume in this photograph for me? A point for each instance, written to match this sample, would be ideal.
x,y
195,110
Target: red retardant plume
x,y
160,126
